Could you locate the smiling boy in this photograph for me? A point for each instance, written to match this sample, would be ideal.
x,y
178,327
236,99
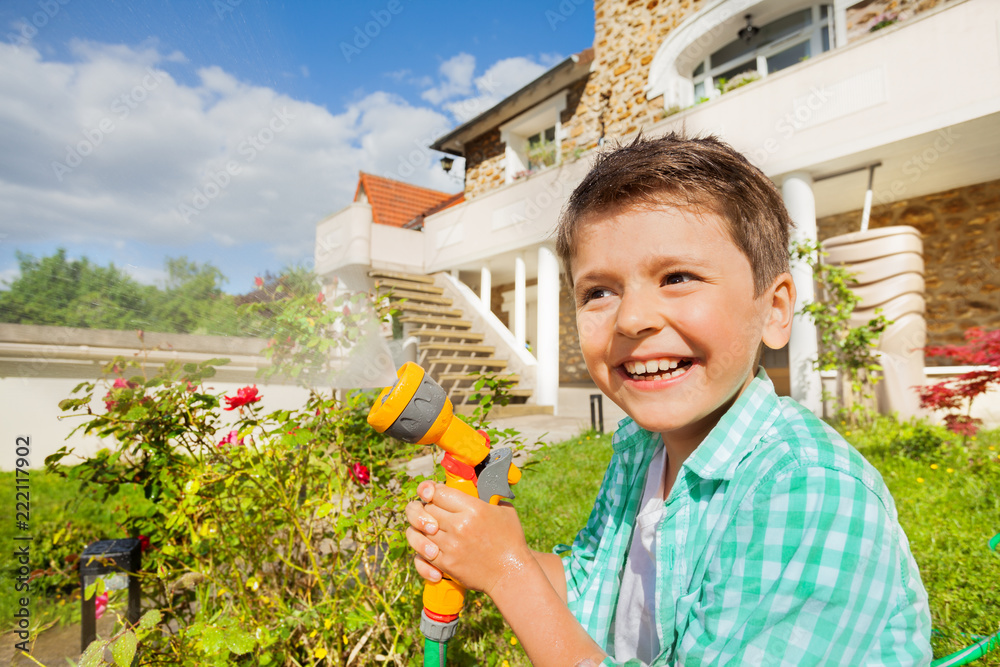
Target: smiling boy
x,y
732,526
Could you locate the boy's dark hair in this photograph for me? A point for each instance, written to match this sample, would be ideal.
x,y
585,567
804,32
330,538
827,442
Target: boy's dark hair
x,y
674,170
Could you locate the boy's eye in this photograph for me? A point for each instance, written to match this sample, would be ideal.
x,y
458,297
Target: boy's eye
x,y
596,293
677,278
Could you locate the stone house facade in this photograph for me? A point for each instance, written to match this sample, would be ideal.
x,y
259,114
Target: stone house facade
x,y
832,92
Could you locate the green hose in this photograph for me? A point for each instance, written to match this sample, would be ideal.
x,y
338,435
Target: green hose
x,y
970,653
434,653
980,648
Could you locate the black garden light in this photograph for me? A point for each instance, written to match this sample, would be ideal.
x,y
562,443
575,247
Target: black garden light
x,y
117,562
597,415
447,162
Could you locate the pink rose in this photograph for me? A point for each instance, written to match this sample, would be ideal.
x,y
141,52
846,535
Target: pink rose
x,y
258,281
100,605
232,438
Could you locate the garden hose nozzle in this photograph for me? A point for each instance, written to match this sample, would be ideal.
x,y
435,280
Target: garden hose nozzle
x,y
416,409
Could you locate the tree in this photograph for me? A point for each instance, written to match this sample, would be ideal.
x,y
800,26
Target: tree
x,y
59,291
193,300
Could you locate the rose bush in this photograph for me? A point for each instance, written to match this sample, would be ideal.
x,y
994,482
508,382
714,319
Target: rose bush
x,y
274,538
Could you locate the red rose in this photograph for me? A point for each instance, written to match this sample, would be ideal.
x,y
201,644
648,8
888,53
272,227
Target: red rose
x,y
258,281
143,543
244,396
320,297
360,473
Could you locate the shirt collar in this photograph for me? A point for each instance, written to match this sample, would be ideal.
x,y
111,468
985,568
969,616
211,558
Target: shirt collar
x,y
729,442
738,431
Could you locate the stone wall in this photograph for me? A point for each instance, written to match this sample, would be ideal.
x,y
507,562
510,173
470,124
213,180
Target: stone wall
x,y
862,16
612,101
961,235
627,34
484,164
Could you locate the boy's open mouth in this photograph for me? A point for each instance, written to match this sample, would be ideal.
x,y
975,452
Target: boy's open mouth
x,y
656,369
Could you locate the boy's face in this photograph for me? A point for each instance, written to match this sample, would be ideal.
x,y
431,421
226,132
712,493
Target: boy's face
x,y
668,322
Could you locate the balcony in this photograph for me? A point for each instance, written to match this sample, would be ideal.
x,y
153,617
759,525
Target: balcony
x,y
922,97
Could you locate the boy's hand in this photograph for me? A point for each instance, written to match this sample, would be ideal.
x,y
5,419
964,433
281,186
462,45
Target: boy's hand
x,y
475,543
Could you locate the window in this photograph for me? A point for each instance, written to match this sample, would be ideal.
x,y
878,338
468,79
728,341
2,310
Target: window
x,y
532,138
542,149
777,45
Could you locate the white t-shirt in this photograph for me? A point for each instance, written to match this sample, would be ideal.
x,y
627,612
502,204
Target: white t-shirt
x,y
635,617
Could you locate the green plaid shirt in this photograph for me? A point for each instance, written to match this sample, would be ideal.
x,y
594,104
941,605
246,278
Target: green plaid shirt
x,y
781,546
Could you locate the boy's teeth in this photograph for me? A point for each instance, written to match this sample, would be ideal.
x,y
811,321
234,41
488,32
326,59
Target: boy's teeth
x,y
653,369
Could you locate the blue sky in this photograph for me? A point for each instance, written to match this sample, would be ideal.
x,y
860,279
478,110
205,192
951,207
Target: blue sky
x,y
223,131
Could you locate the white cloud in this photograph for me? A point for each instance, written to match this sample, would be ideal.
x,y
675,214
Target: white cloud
x,y
457,73
497,82
111,147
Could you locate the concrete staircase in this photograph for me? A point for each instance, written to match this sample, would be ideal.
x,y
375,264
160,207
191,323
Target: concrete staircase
x,y
449,346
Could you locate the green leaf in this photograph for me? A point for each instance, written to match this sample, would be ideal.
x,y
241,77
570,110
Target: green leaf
x,y
213,639
240,642
94,655
90,591
190,368
123,650
136,413
150,619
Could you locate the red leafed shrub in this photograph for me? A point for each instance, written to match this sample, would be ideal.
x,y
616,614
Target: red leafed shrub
x,y
982,348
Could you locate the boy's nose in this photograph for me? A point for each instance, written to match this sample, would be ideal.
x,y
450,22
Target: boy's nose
x,y
638,315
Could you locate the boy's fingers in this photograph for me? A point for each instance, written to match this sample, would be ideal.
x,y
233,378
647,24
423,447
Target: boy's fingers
x,y
426,570
419,543
426,491
418,517
453,500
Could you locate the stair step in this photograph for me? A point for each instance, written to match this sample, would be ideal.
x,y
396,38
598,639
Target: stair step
x,y
459,377
420,297
471,348
447,333
411,307
400,275
465,361
438,321
410,286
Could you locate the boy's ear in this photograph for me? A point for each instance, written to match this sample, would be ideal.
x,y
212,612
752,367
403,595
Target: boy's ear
x,y
780,300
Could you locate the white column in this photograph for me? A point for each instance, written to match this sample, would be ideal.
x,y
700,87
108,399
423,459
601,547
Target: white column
x,y
803,348
520,303
547,388
485,285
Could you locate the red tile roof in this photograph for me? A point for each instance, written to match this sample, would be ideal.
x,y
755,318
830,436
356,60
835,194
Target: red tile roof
x,y
395,203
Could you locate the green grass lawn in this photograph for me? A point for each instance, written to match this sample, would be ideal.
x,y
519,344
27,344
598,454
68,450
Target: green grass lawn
x,y
948,505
